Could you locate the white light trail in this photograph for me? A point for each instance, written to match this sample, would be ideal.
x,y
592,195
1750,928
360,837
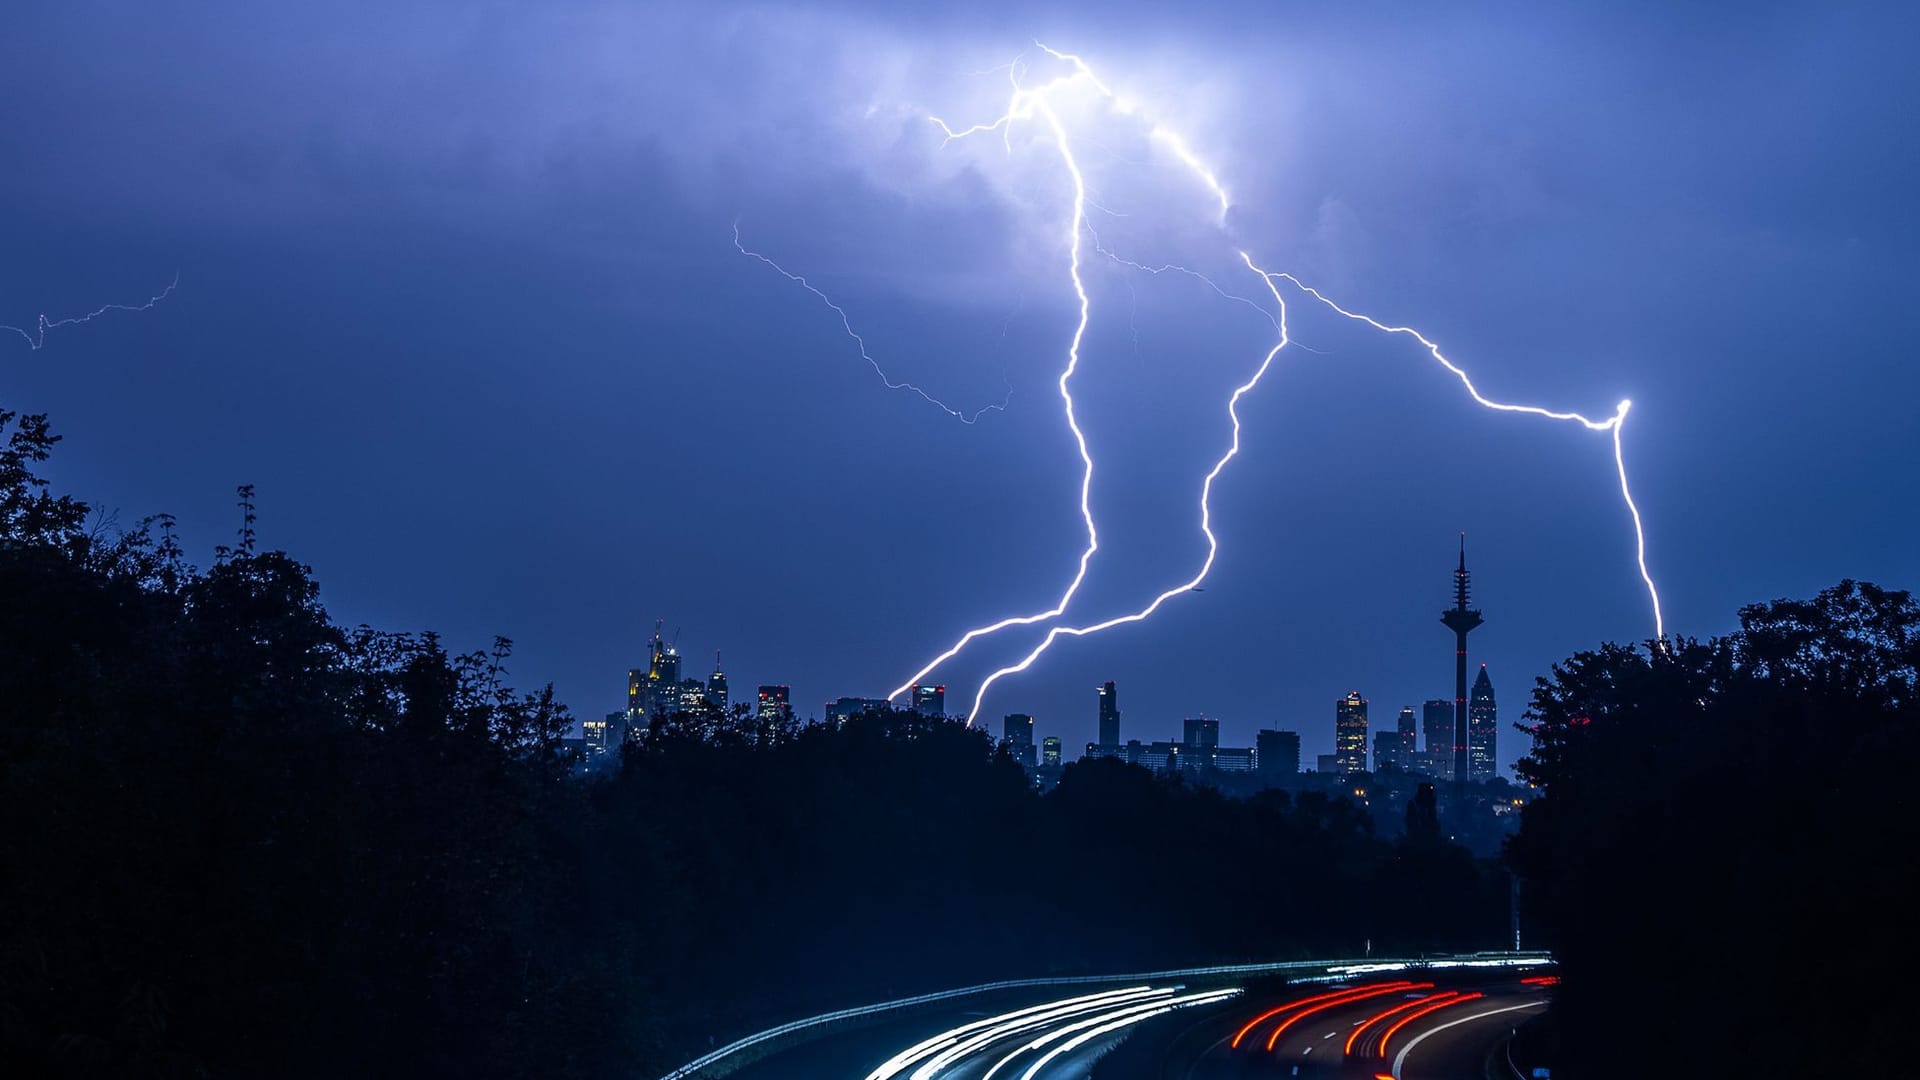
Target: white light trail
x,y
967,1047
847,325
37,338
1094,1028
905,1059
1400,1059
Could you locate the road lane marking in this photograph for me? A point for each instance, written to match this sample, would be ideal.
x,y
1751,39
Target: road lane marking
x,y
1204,1055
1400,1059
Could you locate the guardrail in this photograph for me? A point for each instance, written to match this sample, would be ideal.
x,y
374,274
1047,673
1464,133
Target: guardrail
x,y
1334,969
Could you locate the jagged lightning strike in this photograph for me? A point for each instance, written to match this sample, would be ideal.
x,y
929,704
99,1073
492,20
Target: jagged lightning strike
x,y
1611,424
37,338
846,324
1028,104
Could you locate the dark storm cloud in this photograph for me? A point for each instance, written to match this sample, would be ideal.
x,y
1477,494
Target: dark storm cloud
x,y
458,293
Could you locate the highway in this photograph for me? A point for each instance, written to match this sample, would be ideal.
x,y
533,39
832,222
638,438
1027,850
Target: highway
x,y
1038,1035
1407,1024
1408,1028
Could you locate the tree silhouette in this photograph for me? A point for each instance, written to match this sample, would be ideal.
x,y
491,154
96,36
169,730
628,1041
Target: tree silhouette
x,y
245,840
1703,807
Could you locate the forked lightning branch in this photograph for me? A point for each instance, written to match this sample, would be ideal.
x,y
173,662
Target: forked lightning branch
x,y
1037,106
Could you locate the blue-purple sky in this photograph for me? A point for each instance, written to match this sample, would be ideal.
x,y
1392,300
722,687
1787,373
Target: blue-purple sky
x,y
458,292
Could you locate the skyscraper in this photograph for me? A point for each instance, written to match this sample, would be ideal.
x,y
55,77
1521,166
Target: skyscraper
x,y
656,687
1350,733
1409,738
1017,730
600,738
1050,752
1386,751
774,707
841,710
717,685
1199,732
1482,730
637,708
1109,715
692,698
1436,723
662,690
1460,619
929,700
1278,754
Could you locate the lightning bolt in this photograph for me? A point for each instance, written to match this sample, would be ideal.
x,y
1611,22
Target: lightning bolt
x,y
847,325
1025,104
1033,104
36,339
1206,518
1611,424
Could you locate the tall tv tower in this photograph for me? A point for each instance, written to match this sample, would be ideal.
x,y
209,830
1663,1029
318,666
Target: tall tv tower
x,y
1460,619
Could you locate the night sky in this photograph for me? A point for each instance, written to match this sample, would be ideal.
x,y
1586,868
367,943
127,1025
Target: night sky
x,y
458,292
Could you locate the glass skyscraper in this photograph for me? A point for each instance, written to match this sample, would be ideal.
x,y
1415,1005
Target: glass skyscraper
x,y
1350,733
1483,730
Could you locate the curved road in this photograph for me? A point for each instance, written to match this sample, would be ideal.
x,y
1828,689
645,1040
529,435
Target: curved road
x,y
1410,1029
1408,1026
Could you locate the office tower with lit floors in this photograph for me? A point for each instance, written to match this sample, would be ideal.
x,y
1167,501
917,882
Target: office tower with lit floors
x,y
772,711
929,700
1050,752
1483,730
1016,729
1109,716
1386,752
1350,733
775,703
1199,732
1436,727
716,691
1409,737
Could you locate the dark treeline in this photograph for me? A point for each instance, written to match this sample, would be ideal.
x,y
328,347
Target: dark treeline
x,y
243,840
899,854
1724,857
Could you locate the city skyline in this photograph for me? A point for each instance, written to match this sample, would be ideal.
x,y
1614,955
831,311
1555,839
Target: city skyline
x,y
1025,730
820,540
584,263
1475,720
1172,727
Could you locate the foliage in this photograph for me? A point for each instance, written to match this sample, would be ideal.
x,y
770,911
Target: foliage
x,y
1719,859
244,840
